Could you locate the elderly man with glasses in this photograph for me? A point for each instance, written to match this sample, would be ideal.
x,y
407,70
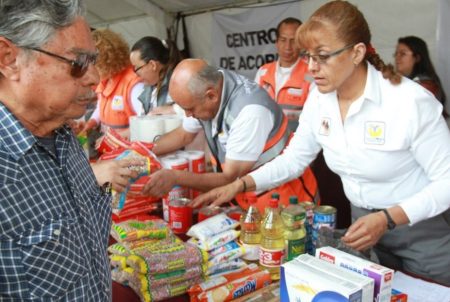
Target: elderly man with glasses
x,y
54,218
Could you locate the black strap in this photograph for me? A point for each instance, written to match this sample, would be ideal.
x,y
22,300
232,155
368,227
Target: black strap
x,y
306,189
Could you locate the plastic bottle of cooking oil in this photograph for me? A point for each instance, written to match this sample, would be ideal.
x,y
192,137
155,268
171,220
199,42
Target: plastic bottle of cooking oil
x,y
272,250
294,233
250,236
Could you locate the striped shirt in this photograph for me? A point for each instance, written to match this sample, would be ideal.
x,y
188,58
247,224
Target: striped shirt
x,y
54,219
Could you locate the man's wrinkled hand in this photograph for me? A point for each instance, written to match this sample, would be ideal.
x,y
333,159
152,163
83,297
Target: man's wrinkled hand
x,y
160,183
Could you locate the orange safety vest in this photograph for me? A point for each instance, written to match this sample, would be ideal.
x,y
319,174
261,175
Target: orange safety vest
x,y
305,188
291,97
294,92
114,97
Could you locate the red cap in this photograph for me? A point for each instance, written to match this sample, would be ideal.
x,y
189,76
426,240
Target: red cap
x,y
273,203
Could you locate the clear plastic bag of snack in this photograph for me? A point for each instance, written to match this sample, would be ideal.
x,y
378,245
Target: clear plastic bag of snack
x,y
166,257
132,230
135,150
329,237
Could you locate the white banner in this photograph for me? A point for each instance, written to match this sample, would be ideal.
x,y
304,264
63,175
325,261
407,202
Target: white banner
x,y
243,42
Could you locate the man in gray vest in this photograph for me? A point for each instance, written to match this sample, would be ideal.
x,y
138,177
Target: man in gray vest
x,y
243,126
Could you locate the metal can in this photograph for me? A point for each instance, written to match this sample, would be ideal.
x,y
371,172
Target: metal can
x,y
207,212
180,215
174,162
309,209
324,216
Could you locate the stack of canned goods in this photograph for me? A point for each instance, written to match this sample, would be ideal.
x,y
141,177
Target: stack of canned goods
x,y
324,216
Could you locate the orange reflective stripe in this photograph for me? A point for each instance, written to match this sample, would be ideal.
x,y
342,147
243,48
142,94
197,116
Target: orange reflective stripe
x,y
279,135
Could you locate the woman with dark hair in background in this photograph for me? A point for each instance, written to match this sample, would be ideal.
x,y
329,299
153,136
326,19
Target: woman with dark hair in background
x,y
154,60
413,61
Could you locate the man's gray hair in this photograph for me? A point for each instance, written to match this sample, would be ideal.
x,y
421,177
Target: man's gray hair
x,y
32,23
204,79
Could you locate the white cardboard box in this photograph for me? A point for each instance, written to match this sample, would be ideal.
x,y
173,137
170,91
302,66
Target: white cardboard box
x,y
305,283
382,275
366,283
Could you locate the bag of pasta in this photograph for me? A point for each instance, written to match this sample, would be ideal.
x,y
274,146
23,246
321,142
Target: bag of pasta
x,y
136,150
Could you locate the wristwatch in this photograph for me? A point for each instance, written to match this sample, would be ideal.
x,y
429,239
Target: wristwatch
x,y
390,222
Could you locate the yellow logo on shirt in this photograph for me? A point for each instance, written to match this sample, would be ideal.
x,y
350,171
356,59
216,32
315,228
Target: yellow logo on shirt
x,y
374,133
117,103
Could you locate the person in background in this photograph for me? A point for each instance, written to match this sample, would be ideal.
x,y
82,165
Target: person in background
x,y
286,79
119,86
54,218
153,61
413,61
397,187
243,126
288,82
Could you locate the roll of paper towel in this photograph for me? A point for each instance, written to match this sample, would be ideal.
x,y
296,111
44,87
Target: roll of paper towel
x,y
146,128
171,122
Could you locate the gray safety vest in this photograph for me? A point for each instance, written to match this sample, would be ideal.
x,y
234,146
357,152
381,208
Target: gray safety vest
x,y
238,92
146,96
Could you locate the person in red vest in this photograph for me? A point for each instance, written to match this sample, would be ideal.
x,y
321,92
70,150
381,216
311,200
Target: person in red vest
x,y
119,86
286,79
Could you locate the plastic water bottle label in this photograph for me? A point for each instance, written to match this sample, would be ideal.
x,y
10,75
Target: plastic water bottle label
x,y
271,258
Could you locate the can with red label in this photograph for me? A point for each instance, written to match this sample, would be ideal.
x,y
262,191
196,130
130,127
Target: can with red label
x,y
180,215
174,162
196,161
207,212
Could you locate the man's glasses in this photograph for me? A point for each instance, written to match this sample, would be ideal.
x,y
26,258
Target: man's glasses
x,y
79,66
323,58
140,67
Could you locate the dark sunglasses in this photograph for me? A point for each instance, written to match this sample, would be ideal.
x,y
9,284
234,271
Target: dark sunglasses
x,y
79,66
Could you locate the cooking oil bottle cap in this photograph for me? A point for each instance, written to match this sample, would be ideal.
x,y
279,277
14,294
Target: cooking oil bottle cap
x,y
275,195
293,200
273,203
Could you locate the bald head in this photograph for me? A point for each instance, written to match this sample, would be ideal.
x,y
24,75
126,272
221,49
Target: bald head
x,y
194,82
182,75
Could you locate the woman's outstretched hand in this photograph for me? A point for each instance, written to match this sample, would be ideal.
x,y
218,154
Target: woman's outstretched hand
x,y
219,195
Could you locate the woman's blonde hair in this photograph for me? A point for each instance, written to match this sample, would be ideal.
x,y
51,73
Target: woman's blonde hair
x,y
114,53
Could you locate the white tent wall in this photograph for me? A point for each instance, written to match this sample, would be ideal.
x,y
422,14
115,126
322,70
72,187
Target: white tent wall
x,y
388,20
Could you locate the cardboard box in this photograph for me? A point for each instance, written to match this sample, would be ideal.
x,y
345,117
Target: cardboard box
x,y
364,282
382,276
300,282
